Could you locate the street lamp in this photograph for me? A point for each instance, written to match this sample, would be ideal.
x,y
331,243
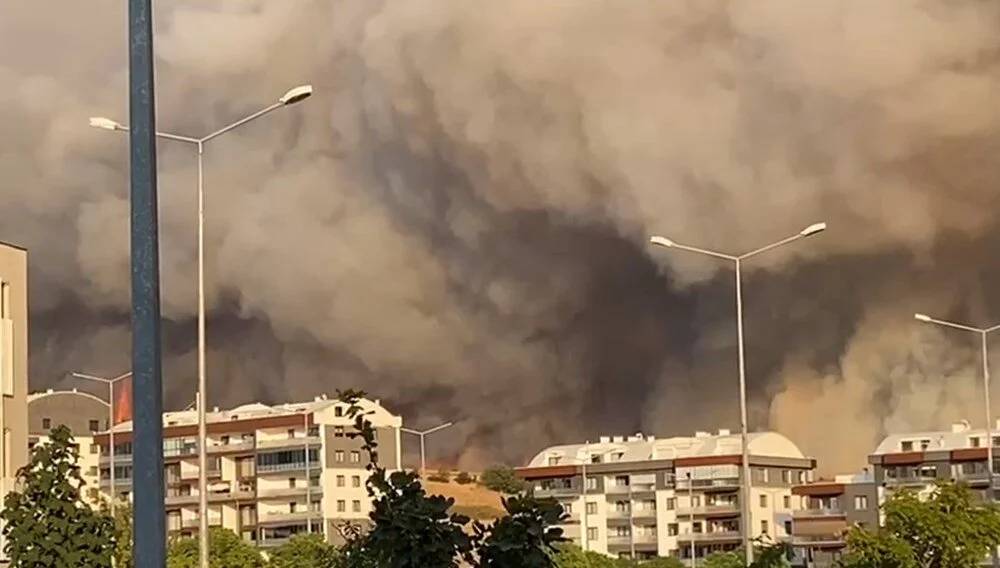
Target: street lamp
x,y
423,434
738,261
983,332
111,422
292,96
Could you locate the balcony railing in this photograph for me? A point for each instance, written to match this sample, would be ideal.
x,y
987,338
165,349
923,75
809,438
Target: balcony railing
x,y
557,492
240,446
313,441
289,491
703,484
619,489
823,512
643,487
285,517
709,536
722,509
294,466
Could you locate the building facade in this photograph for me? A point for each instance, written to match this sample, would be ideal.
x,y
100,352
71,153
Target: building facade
x,y
826,510
13,365
84,414
273,471
641,497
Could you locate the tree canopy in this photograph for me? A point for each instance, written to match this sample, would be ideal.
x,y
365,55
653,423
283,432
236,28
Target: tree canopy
x,y
46,520
228,550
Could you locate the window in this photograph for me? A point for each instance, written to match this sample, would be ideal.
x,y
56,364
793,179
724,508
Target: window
x,y
341,506
622,531
338,431
340,481
763,500
568,508
94,449
787,502
786,475
622,506
554,460
924,444
766,475
996,441
94,425
763,527
355,481
672,529
225,440
591,483
696,527
671,503
788,527
802,477
291,483
338,456
906,446
861,502
92,471
291,433
356,506
617,456
695,501
621,481
355,456
591,508
596,458
292,506
974,442
338,411
591,533
47,423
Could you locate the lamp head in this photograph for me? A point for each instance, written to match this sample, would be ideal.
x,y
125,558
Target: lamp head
x,y
922,317
661,241
813,229
297,94
105,123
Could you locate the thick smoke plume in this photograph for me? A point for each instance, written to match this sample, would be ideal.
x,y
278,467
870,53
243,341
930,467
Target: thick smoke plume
x,y
457,220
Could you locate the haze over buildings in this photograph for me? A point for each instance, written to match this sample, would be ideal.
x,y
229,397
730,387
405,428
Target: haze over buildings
x,y
457,222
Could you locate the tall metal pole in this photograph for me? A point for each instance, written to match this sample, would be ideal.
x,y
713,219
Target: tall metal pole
x,y
309,528
423,457
202,426
989,419
691,500
111,441
147,396
744,437
583,473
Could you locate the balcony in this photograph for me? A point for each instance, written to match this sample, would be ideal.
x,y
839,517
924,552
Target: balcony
x,y
285,517
643,488
557,492
720,510
818,541
618,514
817,513
192,475
222,496
619,541
240,446
643,513
313,441
618,489
289,492
177,500
714,536
720,484
286,467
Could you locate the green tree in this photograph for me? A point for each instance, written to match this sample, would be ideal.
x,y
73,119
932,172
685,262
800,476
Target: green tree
x,y
123,532
47,522
227,551
572,556
522,539
442,476
662,562
501,478
306,551
463,478
410,529
948,529
723,560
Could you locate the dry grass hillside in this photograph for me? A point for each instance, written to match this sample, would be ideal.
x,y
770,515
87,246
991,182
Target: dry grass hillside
x,y
471,499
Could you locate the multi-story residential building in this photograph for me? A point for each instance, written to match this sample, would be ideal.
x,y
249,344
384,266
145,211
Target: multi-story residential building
x,y
83,413
273,471
13,365
825,510
642,497
917,460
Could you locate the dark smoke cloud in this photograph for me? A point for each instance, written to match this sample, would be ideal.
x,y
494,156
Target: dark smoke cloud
x,y
457,220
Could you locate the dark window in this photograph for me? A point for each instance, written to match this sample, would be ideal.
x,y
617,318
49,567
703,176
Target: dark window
x,y
47,423
95,425
338,411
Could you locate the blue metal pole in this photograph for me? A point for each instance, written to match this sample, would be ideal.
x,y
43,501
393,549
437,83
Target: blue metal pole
x,y
147,393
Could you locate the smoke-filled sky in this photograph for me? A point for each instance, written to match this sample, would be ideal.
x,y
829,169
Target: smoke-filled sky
x,y
457,220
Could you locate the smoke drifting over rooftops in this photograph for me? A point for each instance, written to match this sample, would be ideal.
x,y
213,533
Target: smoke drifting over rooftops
x,y
457,220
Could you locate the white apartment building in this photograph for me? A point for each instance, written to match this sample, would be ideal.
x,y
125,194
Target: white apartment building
x,y
84,414
648,497
273,471
13,366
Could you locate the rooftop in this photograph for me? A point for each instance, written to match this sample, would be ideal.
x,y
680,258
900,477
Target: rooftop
x,y
644,448
959,436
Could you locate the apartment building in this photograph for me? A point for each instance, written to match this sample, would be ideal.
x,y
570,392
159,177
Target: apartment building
x,y
273,471
13,366
825,511
84,414
917,460
642,497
